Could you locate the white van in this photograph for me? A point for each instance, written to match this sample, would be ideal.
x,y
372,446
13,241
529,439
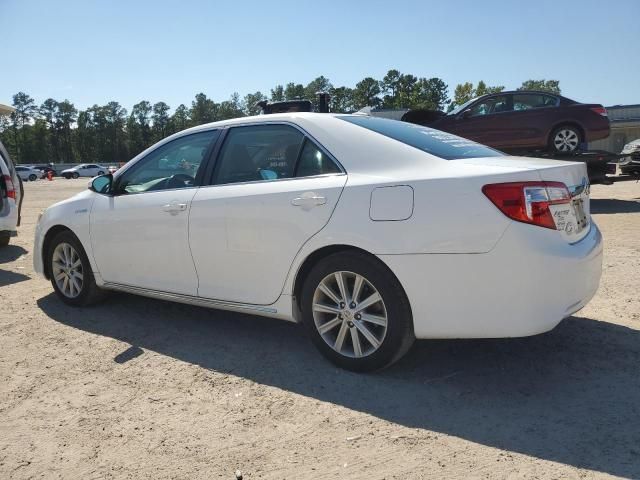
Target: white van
x,y
11,195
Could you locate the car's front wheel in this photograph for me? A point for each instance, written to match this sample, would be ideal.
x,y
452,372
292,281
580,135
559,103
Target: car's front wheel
x,y
356,312
5,238
565,139
100,173
75,175
32,177
70,271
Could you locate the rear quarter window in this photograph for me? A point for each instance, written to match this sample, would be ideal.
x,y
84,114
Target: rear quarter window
x,y
429,140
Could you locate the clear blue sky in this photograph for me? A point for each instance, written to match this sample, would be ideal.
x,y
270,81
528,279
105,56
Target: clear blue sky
x,y
95,51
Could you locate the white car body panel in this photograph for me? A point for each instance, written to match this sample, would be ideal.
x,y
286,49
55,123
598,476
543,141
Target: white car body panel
x,y
237,227
153,253
467,269
8,206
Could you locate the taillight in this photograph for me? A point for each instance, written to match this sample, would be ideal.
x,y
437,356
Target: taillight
x,y
599,110
528,202
11,189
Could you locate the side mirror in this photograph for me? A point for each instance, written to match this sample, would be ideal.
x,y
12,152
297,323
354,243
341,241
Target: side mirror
x,y
101,184
466,114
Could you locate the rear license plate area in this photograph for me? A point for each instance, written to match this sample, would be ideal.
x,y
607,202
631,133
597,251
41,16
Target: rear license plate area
x,y
581,216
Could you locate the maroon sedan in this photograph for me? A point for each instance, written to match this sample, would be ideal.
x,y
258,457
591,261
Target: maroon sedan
x,y
523,120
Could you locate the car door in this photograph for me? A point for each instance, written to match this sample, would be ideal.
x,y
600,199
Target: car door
x,y
533,116
139,233
273,188
485,121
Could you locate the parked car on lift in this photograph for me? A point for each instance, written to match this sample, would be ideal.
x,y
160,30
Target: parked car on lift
x,y
84,170
29,174
371,232
11,195
520,121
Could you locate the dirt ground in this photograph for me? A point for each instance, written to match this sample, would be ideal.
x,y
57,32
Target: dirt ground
x,y
138,388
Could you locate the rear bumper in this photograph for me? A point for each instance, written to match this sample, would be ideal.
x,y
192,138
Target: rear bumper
x,y
526,285
597,132
9,221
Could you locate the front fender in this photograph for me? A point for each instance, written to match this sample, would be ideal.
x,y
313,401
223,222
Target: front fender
x,y
72,214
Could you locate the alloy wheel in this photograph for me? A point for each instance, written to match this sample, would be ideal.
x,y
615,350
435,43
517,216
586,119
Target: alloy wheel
x,y
349,314
566,140
67,270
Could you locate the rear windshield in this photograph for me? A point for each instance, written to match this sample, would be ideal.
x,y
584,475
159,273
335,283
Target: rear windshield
x,y
435,142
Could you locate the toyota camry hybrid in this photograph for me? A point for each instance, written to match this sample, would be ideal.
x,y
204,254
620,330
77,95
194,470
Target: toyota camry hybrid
x,y
370,232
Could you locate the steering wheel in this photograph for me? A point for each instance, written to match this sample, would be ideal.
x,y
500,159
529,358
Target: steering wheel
x,y
180,180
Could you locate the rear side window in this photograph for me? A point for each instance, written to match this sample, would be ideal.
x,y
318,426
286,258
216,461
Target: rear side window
x,y
261,152
528,101
435,142
314,161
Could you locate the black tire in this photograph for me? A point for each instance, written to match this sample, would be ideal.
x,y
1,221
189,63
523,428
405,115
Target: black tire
x,y
399,334
565,140
5,237
90,293
32,177
100,173
21,186
75,175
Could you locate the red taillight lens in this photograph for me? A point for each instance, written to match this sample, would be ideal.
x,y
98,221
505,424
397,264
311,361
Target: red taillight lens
x,y
600,111
528,202
11,189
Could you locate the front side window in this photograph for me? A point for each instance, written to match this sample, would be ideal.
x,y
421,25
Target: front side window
x,y
261,152
529,101
435,142
173,165
491,105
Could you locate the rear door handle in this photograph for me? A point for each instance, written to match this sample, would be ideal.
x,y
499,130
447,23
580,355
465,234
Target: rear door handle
x,y
174,207
309,199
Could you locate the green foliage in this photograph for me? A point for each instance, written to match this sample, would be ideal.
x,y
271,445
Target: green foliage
x,y
277,93
465,92
56,131
366,93
250,102
552,86
294,91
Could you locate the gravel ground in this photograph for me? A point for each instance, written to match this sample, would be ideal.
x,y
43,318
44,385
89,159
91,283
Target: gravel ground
x,y
139,388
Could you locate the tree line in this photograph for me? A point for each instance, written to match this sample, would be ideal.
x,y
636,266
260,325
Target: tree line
x,y
56,131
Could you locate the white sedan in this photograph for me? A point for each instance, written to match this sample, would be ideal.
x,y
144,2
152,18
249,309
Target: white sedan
x,y
84,170
29,174
371,232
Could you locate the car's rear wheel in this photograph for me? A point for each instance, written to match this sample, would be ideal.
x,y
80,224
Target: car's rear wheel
x,y
565,139
32,177
70,271
356,312
75,174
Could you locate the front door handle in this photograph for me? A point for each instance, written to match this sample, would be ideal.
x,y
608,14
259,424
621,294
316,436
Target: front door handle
x,y
174,207
308,200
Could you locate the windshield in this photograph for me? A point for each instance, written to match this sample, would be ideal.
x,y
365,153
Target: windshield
x,y
462,107
435,142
